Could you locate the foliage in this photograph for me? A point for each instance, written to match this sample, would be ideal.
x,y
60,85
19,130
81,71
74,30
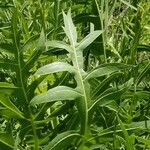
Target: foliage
x,y
74,75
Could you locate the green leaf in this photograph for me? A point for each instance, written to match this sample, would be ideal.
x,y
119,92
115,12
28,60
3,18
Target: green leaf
x,y
6,47
55,67
143,73
106,69
16,38
144,141
69,28
6,140
33,86
58,44
110,131
129,139
88,39
82,110
128,4
4,100
144,48
61,110
56,94
140,125
36,54
138,95
7,88
107,97
101,87
143,95
29,43
62,140
83,147
8,113
110,95
8,64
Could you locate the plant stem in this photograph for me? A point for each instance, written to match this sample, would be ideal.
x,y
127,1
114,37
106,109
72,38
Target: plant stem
x,y
36,141
21,78
102,27
78,64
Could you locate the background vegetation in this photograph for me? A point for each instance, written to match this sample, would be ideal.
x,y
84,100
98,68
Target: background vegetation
x,y
74,74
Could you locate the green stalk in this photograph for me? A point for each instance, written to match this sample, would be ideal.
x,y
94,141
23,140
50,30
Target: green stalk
x,y
102,28
21,79
36,141
137,31
56,16
77,55
42,15
56,12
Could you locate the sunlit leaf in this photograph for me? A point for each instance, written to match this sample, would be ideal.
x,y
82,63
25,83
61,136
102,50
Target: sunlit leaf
x,y
58,93
55,67
88,39
69,28
58,44
105,70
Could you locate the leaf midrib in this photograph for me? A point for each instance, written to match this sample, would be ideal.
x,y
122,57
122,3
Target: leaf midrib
x,y
82,85
71,35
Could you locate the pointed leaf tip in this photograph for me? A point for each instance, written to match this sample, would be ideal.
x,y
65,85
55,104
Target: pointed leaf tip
x,y
69,28
89,39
